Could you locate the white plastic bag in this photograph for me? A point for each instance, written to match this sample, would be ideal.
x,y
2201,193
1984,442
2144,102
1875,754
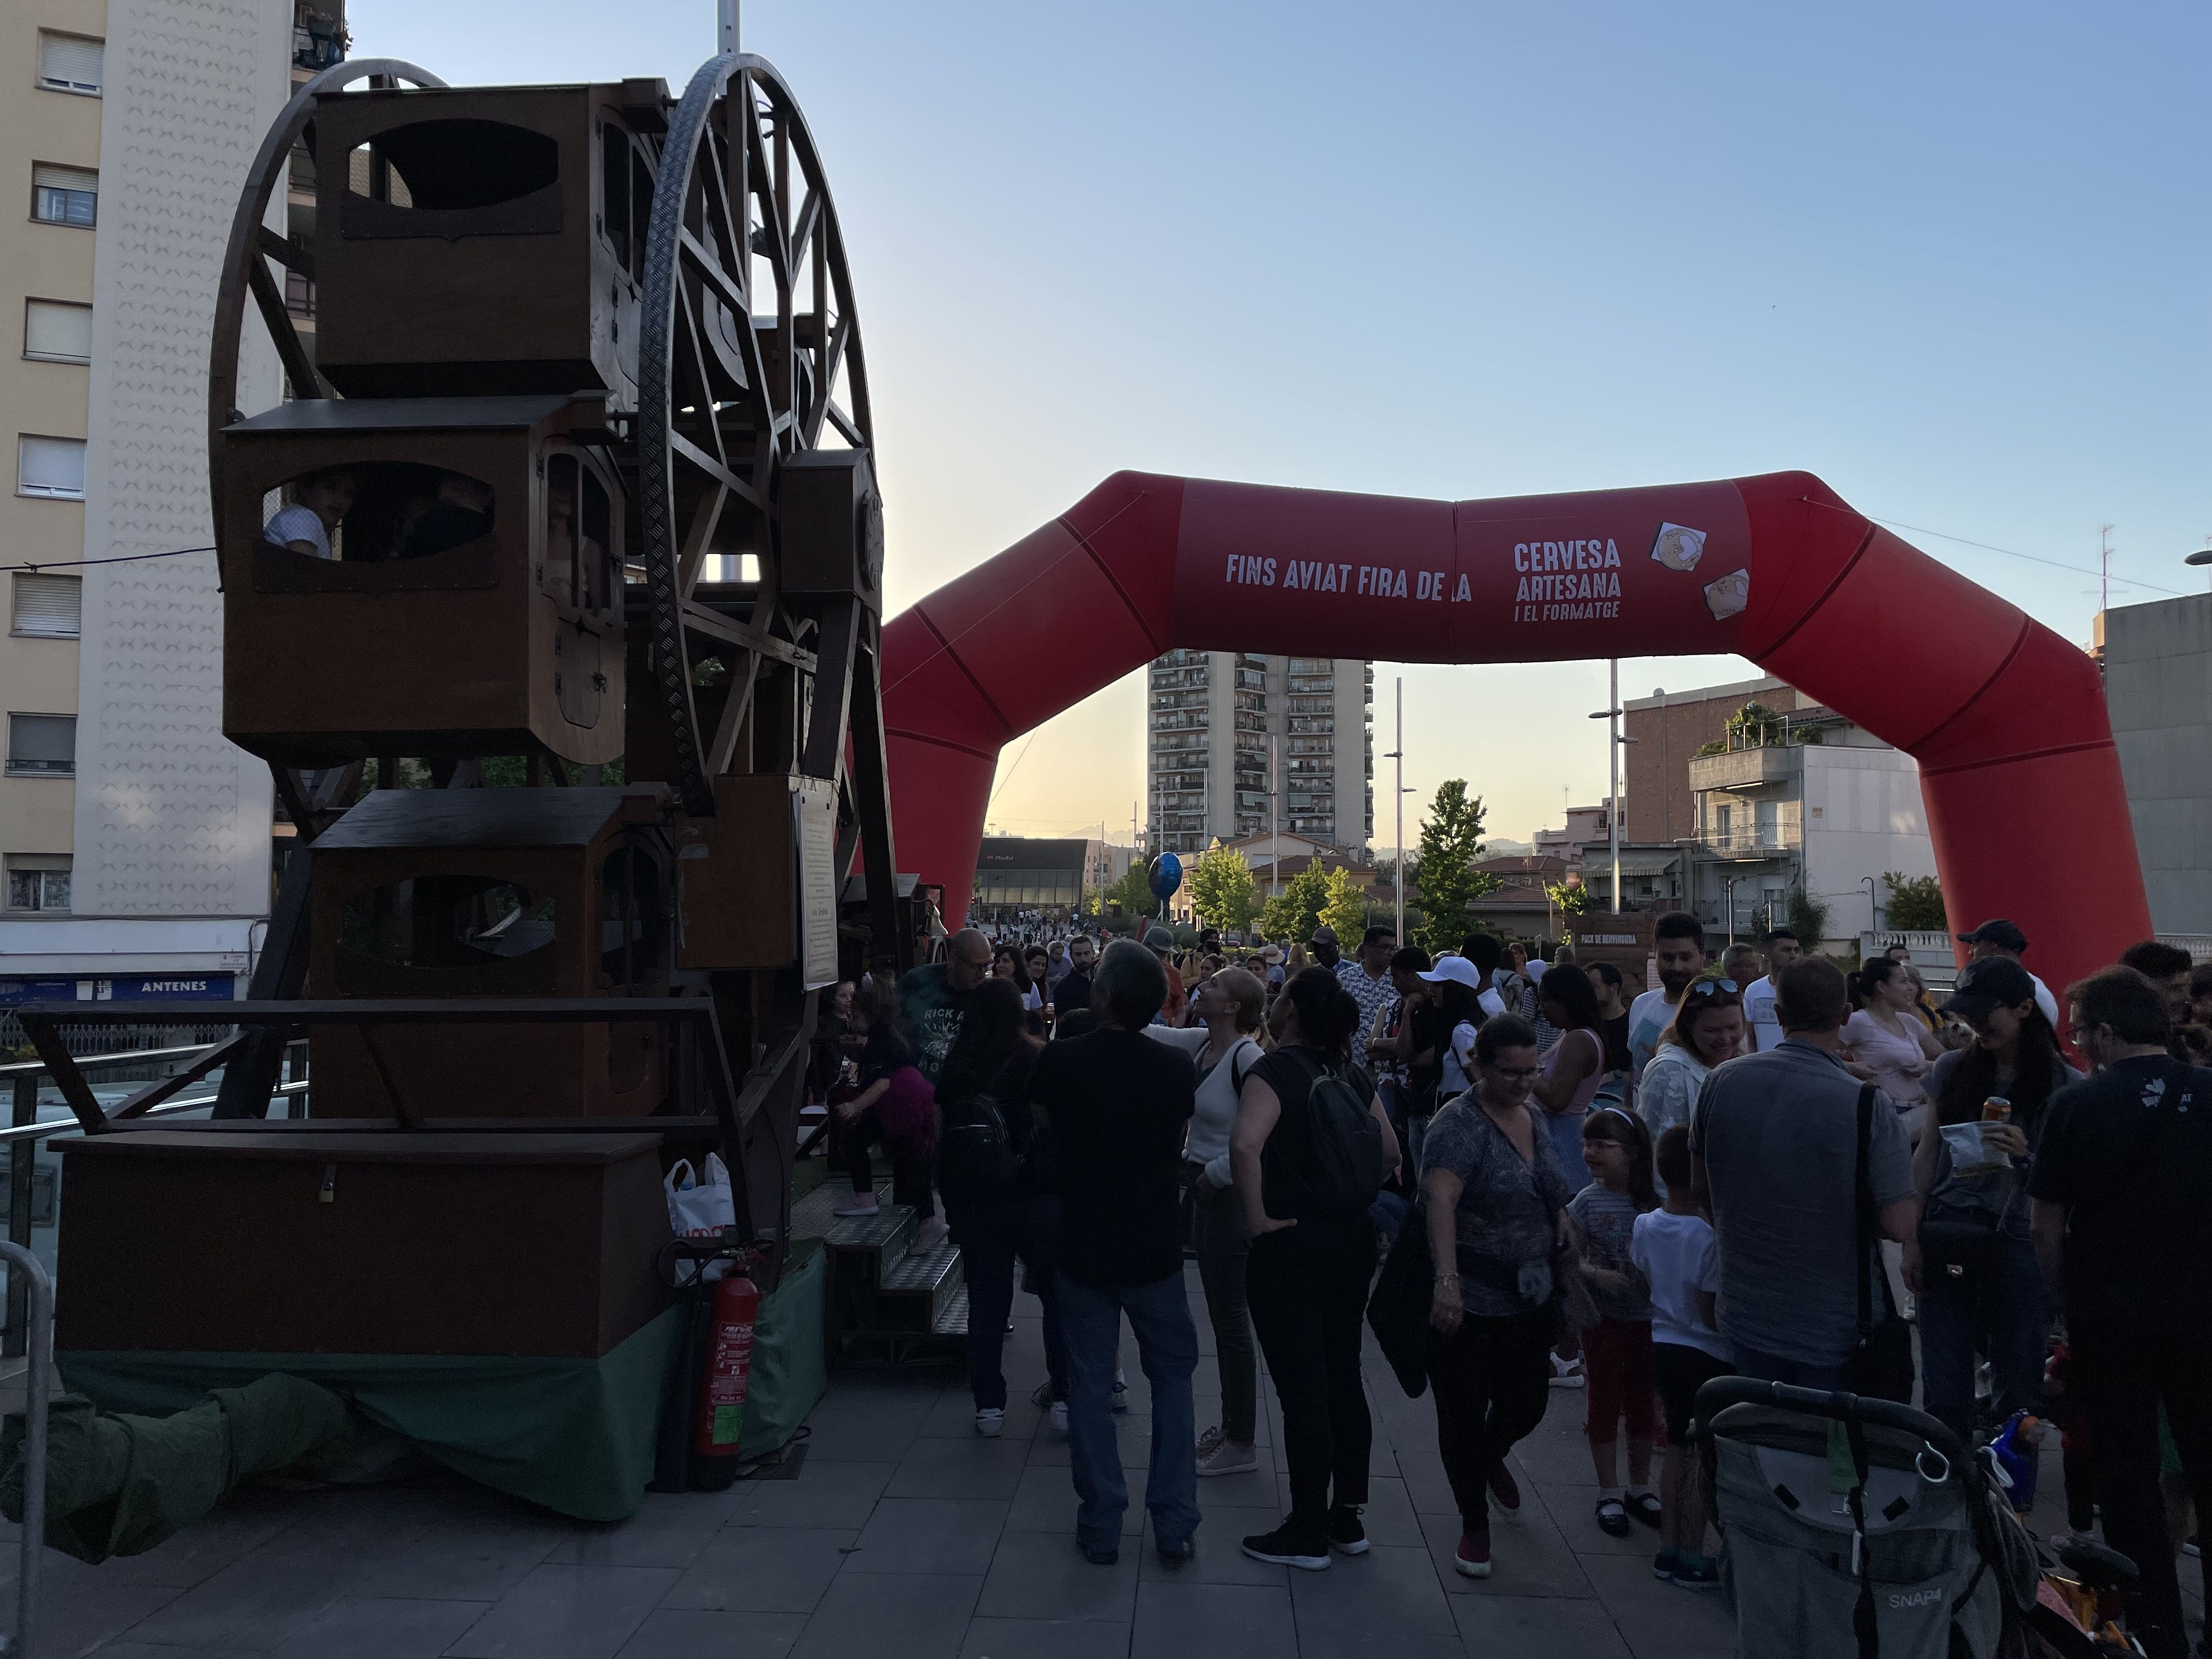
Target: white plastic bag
x,y
700,1209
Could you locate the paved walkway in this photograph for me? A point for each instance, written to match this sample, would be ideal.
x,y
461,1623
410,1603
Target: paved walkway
x,y
904,1534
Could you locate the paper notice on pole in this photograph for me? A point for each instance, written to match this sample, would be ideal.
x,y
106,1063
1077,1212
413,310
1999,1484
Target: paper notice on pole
x,y
814,811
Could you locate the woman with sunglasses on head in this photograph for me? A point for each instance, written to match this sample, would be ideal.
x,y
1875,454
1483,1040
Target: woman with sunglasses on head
x,y
1494,1195
1708,1028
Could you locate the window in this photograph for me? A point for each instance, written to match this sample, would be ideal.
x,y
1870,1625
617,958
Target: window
x,y
63,196
56,331
506,179
375,511
70,63
41,745
48,607
447,921
38,881
52,467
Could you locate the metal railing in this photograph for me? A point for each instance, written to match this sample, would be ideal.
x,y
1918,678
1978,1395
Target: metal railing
x,y
38,1389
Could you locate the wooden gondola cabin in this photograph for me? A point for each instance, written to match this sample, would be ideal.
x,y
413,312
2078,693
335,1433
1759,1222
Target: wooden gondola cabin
x,y
478,240
434,577
458,893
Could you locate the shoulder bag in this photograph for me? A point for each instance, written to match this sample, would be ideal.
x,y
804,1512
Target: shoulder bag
x,y
1880,1363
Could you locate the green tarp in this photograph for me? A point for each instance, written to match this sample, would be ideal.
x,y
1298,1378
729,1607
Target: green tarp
x,y
119,1484
575,1435
790,1369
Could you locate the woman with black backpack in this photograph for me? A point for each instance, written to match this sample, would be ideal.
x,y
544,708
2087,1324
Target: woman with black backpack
x,y
1311,1148
998,1194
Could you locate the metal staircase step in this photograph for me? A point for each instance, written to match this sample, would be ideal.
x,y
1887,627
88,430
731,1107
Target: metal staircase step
x,y
916,1291
953,1321
864,1249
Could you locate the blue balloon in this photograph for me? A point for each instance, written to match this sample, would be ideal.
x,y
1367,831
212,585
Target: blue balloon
x,y
1167,875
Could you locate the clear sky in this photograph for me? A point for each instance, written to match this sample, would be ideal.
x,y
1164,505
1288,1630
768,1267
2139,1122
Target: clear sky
x,y
1952,259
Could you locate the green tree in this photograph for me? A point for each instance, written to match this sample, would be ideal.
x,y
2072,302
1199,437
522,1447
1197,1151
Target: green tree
x,y
1916,903
1451,841
1345,909
1809,918
1131,893
1573,898
1222,890
1294,912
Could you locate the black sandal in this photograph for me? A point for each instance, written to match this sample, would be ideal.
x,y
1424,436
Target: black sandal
x,y
1646,1507
1612,1516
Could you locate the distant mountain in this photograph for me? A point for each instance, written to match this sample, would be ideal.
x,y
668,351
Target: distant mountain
x,y
1501,849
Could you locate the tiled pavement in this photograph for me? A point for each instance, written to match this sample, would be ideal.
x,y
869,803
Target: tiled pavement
x,y
904,1534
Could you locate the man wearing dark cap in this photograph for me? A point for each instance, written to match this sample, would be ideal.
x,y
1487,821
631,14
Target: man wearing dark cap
x,y
1322,946
2000,937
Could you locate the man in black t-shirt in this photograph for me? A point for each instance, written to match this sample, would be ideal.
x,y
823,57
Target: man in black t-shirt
x,y
1117,1105
2122,1191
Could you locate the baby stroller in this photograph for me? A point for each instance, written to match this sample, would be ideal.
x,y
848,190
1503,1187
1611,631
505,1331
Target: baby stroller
x,y
1854,1527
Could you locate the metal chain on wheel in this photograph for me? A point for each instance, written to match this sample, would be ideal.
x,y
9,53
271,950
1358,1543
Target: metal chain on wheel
x,y
670,662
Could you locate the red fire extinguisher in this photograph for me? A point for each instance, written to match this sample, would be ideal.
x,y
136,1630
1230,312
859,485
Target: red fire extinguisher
x,y
727,1363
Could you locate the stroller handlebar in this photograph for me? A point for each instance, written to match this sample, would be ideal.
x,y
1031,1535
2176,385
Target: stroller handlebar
x,y
1721,1391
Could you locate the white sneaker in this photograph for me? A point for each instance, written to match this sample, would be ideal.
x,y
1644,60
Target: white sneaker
x,y
1567,1373
1229,1458
989,1422
859,1204
1059,1415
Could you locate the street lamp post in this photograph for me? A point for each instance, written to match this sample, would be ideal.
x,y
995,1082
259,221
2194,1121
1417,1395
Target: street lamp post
x,y
1874,910
1611,714
1398,754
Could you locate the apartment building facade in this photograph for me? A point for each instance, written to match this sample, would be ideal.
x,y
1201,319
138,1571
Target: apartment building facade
x,y
1213,720
135,840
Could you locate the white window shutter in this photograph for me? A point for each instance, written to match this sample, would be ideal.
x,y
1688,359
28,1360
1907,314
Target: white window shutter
x,y
70,63
49,607
58,332
49,466
45,175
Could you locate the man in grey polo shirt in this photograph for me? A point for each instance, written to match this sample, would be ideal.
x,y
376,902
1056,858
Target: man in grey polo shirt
x,y
1775,1137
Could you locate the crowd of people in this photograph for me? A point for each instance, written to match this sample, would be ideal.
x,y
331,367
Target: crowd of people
x,y
1760,1165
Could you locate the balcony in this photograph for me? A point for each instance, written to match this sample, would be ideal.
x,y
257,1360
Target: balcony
x,y
1180,722
1311,687
1772,841
1747,769
1322,725
1251,679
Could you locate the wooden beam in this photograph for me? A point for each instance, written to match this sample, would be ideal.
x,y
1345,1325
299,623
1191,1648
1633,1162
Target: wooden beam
x,y
287,253
728,630
841,623
154,1093
299,367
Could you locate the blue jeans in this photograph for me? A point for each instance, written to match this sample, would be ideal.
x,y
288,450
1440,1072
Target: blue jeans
x,y
990,1236
1167,1349
2007,1299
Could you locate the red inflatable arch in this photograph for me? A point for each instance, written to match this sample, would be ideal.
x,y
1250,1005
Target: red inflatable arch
x,y
2008,720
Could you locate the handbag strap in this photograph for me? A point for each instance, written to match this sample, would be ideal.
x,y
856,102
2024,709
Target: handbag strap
x,y
1862,1201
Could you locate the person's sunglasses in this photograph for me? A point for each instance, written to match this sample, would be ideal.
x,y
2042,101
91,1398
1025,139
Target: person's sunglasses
x,y
1706,987
1520,1075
